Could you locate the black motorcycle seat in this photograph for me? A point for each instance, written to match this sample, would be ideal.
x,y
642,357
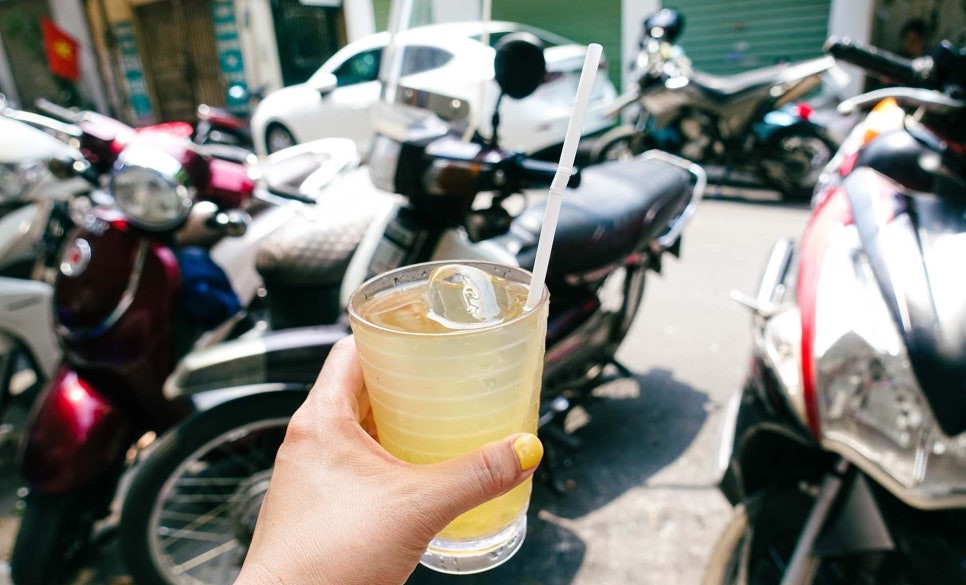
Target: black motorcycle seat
x,y
314,248
618,205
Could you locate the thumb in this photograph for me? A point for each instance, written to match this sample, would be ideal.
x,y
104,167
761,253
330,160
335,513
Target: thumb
x,y
484,473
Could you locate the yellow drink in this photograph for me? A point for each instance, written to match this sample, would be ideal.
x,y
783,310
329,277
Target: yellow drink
x,y
440,387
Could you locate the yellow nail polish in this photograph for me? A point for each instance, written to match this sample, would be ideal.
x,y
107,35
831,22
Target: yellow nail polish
x,y
529,451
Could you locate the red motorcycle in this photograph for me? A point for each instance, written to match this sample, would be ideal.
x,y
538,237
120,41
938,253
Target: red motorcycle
x,y
844,453
129,300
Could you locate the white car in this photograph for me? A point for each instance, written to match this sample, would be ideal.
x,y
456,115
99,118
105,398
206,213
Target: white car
x,y
443,58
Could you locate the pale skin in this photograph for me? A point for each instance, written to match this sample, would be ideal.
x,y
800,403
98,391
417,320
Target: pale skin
x,y
341,510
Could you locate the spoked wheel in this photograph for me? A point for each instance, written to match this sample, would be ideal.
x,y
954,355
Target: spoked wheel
x,y
278,137
793,160
757,544
191,510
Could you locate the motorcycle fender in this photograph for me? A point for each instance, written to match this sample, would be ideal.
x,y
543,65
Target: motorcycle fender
x,y
19,232
286,357
779,120
25,315
75,435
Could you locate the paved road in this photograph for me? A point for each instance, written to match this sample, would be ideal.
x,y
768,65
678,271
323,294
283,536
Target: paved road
x,y
642,509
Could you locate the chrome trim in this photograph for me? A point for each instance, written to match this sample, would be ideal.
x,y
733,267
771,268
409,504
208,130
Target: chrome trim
x,y
210,399
913,498
932,100
697,192
127,298
765,302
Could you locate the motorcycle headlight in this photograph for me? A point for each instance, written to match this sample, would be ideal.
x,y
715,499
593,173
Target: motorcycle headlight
x,y
17,178
869,403
152,190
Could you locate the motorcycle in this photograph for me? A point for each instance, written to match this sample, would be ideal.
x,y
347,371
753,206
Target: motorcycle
x,y
37,208
747,122
135,290
194,497
844,454
216,125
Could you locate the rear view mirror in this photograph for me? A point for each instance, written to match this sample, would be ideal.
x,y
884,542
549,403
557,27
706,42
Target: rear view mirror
x,y
519,65
323,83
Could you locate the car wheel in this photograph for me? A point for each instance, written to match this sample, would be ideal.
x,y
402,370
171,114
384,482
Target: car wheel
x,y
278,137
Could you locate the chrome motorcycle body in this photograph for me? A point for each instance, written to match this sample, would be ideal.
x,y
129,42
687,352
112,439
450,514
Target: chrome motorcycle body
x,y
845,452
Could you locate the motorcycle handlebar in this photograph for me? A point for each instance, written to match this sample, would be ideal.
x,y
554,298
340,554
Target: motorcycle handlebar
x,y
51,109
884,63
536,173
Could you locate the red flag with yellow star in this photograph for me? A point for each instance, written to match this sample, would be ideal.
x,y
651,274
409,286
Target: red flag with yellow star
x,y
61,49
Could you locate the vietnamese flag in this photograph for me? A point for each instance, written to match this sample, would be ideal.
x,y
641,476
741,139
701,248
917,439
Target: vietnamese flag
x,y
61,50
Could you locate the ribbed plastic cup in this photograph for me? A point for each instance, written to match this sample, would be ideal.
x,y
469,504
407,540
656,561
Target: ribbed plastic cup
x,y
435,396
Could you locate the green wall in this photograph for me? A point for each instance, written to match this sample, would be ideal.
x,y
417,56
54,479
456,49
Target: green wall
x,y
584,22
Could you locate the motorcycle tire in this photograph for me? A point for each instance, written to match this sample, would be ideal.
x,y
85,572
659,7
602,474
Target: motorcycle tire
x,y
54,529
757,543
620,143
793,158
175,483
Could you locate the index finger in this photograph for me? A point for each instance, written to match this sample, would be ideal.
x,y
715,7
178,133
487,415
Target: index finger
x,y
340,382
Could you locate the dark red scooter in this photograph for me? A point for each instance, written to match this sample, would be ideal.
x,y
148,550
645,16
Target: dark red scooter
x,y
128,302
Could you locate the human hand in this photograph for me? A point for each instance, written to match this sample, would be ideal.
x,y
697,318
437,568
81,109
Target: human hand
x,y
342,510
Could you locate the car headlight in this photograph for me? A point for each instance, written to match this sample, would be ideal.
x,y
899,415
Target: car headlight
x,y
870,406
151,189
17,178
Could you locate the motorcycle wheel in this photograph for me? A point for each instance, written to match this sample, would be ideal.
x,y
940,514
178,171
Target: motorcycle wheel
x,y
621,143
793,159
757,543
190,512
54,529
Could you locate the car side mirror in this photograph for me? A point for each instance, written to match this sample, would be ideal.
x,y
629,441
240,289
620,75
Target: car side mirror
x,y
324,83
519,65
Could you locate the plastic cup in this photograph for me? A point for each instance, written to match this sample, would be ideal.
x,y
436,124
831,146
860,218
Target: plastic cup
x,y
435,396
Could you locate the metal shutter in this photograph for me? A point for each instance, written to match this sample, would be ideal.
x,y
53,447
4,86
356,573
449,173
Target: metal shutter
x,y
729,36
583,22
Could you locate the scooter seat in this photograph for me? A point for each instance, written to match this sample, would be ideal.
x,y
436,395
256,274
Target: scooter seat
x,y
314,249
618,206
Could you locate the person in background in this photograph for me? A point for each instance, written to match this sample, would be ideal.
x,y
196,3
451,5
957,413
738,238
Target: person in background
x,y
341,510
913,35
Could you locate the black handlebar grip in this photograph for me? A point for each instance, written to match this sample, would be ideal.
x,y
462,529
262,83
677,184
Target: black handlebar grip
x,y
880,62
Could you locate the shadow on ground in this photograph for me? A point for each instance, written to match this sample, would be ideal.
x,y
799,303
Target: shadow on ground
x,y
638,427
551,555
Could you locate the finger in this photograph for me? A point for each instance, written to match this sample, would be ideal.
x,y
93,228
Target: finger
x,y
340,381
483,474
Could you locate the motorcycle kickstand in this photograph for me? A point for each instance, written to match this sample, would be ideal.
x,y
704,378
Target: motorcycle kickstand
x,y
554,438
555,441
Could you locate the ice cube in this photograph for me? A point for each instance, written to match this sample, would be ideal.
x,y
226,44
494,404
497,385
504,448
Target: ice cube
x,y
463,297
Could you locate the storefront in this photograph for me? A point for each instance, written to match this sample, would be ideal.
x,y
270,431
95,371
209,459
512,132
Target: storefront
x,y
167,56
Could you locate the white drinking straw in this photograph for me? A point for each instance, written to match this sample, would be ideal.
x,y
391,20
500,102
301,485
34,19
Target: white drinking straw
x,y
584,88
